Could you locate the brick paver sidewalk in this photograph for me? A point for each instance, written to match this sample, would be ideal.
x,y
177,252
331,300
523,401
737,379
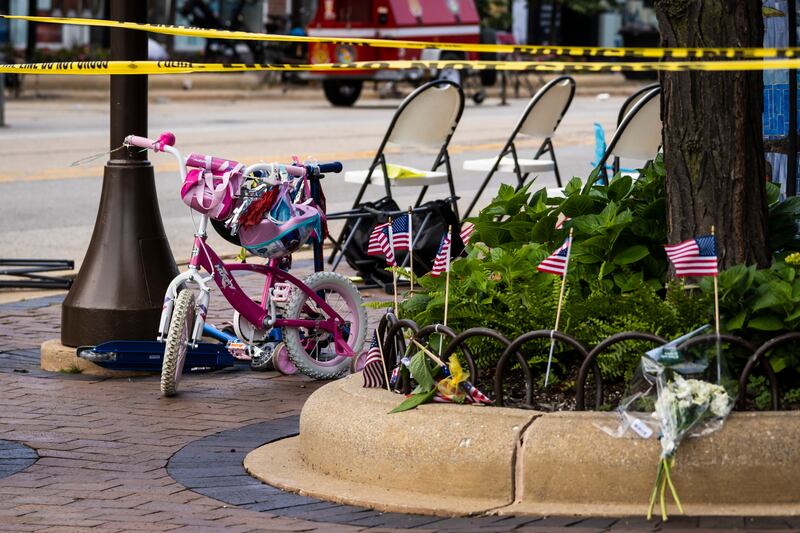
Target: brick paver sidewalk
x,y
104,447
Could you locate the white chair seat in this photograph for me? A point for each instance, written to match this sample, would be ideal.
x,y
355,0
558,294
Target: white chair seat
x,y
633,174
418,178
507,165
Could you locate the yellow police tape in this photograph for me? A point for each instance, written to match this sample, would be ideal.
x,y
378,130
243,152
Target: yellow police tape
x,y
185,67
576,51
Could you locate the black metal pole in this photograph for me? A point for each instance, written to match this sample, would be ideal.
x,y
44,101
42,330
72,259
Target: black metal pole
x,y
30,45
119,290
791,159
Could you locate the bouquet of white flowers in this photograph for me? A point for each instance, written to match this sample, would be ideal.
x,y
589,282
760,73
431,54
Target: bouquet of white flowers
x,y
668,399
683,406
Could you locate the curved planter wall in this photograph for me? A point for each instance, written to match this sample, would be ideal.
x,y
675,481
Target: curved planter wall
x,y
459,460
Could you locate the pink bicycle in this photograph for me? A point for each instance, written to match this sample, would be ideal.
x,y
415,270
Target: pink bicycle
x,y
321,319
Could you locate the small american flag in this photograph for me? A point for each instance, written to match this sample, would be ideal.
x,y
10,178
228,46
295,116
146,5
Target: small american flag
x,y
695,257
474,394
466,232
379,243
386,239
558,261
401,233
442,261
373,367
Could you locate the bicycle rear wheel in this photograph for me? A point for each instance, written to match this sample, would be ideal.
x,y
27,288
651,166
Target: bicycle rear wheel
x,y
312,349
178,338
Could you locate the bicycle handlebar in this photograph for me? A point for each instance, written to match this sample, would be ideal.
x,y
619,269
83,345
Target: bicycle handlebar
x,y
330,168
166,142
166,139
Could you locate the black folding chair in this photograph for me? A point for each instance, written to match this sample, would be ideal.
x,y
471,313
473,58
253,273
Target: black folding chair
x,y
638,135
427,118
540,119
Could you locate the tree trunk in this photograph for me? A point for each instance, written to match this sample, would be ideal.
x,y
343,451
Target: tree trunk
x,y
713,144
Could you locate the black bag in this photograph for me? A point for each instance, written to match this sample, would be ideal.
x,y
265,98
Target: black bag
x,y
427,237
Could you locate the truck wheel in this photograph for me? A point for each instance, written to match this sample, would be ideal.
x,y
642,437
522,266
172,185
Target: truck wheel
x,y
342,93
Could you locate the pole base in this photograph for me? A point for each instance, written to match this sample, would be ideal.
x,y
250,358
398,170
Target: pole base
x,y
119,290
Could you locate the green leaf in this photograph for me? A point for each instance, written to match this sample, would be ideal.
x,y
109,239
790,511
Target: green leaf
x,y
575,206
778,363
574,186
769,299
794,316
736,322
773,193
506,192
619,188
413,401
629,282
606,269
421,372
631,255
766,323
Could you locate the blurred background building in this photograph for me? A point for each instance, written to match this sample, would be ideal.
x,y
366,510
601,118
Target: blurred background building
x,y
566,22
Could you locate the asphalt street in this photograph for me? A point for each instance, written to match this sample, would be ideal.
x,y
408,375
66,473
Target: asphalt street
x,y
49,206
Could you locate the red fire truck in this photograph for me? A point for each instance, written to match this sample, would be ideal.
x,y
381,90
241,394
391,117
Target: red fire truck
x,y
410,20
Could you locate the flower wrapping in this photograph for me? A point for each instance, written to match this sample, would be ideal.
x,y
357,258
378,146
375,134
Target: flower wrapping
x,y
675,394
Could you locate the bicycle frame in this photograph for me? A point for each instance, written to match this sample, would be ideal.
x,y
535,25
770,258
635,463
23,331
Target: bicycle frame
x,y
262,316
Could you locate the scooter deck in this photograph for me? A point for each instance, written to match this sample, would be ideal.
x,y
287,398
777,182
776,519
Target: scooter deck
x,y
147,356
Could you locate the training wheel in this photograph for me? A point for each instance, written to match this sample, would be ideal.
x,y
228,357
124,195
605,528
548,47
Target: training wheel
x,y
282,362
357,363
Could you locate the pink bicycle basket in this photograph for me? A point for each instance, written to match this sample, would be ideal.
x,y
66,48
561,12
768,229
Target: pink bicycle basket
x,y
213,189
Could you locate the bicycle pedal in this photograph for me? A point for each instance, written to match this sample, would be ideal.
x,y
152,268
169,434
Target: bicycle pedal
x,y
238,350
281,292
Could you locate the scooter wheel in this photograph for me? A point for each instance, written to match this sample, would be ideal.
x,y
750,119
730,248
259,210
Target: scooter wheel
x,y
263,361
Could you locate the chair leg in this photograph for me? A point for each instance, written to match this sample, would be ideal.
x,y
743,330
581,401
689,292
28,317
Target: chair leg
x,y
421,196
522,180
479,193
338,257
337,243
452,185
555,165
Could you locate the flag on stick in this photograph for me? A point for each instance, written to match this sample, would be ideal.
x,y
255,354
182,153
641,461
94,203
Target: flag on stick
x,y
694,257
557,262
390,237
379,243
446,284
442,261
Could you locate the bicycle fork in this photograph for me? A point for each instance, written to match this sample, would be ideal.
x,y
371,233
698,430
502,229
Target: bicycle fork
x,y
201,305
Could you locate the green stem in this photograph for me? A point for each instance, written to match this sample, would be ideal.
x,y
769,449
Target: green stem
x,y
672,487
655,492
663,501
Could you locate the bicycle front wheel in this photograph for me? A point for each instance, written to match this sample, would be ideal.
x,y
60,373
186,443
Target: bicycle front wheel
x,y
312,349
178,338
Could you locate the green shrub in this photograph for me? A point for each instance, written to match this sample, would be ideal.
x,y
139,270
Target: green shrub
x,y
618,280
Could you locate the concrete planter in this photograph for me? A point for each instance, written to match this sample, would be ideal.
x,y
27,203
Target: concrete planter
x,y
459,460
